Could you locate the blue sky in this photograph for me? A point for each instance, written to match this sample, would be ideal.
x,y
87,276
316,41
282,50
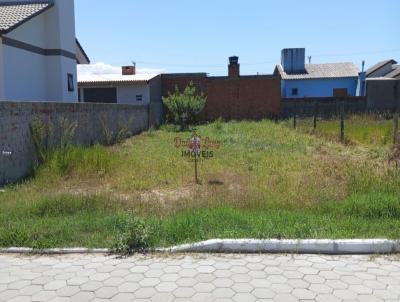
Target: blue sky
x,y
200,35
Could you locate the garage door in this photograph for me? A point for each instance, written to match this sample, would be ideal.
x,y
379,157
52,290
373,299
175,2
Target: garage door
x,y
100,95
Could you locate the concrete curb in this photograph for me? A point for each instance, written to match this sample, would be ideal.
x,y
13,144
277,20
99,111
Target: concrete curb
x,y
307,246
310,246
57,251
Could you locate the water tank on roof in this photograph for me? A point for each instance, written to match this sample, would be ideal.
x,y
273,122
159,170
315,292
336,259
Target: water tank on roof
x,y
233,60
293,60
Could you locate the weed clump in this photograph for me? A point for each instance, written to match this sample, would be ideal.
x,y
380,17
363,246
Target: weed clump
x,y
132,235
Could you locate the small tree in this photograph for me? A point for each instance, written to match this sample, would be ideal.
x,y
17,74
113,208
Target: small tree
x,y
183,108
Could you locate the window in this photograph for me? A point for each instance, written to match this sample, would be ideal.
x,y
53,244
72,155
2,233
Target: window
x,y
71,86
139,98
100,95
295,91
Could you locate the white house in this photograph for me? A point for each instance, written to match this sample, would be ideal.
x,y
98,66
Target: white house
x,y
125,88
39,51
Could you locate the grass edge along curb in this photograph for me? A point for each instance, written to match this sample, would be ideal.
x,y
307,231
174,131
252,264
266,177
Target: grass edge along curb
x,y
307,246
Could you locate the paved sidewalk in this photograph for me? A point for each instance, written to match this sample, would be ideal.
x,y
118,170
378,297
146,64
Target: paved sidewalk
x,y
199,278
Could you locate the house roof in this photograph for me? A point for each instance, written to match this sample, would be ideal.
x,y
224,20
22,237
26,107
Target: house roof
x,y
13,14
115,79
379,65
322,71
395,74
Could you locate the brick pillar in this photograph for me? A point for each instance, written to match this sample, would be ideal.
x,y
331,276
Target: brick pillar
x,y
234,67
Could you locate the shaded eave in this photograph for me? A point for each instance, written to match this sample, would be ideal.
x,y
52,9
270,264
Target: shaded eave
x,y
82,50
6,31
321,78
113,83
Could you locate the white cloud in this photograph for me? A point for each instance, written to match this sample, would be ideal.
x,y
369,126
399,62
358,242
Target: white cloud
x,y
101,68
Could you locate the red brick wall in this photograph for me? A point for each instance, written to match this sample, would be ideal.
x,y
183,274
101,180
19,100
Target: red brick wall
x,y
246,97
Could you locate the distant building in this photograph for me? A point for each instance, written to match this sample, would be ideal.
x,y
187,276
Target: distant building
x,y
231,97
386,69
300,80
383,69
381,84
125,88
39,51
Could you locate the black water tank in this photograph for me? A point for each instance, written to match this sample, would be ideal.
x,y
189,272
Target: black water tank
x,y
233,60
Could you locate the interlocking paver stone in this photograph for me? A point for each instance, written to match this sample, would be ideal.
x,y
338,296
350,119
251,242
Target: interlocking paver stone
x,y
199,278
263,293
82,297
106,292
55,285
45,296
68,291
285,298
345,294
145,292
123,297
204,287
303,294
128,287
244,298
166,287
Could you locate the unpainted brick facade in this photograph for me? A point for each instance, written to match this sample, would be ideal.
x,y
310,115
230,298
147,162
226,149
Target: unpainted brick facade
x,y
232,98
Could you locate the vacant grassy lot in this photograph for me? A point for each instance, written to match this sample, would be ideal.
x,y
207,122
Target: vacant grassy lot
x,y
266,181
370,130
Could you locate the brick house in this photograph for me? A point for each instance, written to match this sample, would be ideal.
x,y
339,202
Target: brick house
x,y
232,97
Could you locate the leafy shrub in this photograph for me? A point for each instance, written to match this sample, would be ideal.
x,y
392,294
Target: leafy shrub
x,y
183,108
132,234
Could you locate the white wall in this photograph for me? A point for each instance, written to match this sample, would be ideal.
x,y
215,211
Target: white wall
x,y
61,35
25,75
34,77
127,94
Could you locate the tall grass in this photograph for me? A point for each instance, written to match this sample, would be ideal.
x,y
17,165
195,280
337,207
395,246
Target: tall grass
x,y
365,129
79,161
